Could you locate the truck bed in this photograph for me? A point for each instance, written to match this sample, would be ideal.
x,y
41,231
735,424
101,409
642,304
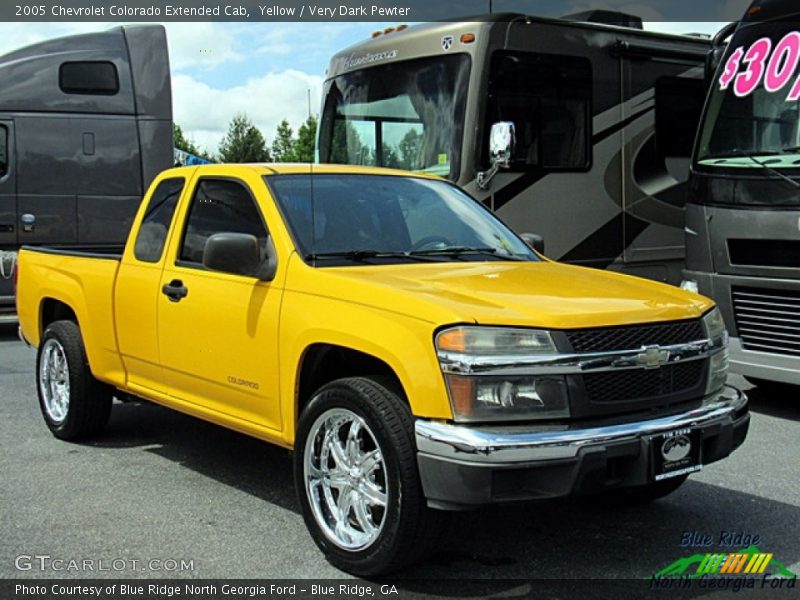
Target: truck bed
x,y
77,280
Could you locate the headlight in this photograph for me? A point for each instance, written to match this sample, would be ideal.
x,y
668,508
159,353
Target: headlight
x,y
476,362
718,362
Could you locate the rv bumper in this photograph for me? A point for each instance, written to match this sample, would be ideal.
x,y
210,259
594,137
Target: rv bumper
x,y
465,466
772,366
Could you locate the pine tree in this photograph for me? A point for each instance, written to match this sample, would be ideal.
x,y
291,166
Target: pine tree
x,y
243,142
306,141
283,144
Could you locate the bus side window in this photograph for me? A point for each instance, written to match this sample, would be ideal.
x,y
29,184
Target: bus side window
x,y
548,98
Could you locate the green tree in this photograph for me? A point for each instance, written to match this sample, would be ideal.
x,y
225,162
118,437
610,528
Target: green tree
x,y
181,142
303,150
283,144
243,142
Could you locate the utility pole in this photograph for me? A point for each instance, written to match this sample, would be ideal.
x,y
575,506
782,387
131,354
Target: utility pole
x,y
309,103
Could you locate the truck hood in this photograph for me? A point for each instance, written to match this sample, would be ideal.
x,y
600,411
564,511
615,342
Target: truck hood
x,y
545,294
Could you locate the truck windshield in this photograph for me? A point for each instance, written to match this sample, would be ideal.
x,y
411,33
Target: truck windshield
x,y
752,121
338,219
407,115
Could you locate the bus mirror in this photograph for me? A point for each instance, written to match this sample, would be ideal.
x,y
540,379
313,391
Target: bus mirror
x,y
502,138
501,143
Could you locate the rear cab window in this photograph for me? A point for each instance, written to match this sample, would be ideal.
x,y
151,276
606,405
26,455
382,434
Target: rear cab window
x,y
152,236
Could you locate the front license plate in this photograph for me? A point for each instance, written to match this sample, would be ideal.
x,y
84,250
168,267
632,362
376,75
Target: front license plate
x,y
676,453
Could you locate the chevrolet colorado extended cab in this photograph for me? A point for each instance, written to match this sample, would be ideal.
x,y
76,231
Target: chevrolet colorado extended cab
x,y
415,353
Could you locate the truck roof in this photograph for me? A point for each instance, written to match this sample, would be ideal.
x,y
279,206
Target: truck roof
x,y
294,169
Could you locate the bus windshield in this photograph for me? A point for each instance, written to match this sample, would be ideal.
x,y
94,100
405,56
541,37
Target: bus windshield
x,y
406,115
753,116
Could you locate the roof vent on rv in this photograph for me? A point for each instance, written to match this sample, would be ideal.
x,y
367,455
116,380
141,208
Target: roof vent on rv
x,y
607,17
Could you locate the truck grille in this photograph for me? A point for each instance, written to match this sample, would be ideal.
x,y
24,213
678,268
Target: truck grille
x,y
606,339
767,320
635,384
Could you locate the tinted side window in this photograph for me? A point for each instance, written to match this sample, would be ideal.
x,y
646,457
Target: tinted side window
x,y
548,98
679,102
3,150
219,206
155,224
88,77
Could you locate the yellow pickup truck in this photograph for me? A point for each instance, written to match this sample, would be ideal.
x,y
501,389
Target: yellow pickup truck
x,y
416,355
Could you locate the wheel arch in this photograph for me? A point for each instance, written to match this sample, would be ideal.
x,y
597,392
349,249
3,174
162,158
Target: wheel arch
x,y
51,310
322,363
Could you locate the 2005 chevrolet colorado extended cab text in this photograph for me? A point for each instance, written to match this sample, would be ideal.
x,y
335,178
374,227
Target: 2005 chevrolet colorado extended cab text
x,y
415,354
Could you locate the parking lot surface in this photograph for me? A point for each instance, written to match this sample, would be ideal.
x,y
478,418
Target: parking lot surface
x,y
172,496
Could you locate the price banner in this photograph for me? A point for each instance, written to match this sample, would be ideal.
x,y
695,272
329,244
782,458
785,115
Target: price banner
x,y
761,63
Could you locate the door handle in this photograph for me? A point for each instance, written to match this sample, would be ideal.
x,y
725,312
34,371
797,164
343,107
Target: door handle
x,y
175,290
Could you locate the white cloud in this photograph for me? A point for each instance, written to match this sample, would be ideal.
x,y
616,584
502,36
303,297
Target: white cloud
x,y
203,45
204,112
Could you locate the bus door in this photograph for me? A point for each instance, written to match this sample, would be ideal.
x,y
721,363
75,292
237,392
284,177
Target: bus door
x,y
662,101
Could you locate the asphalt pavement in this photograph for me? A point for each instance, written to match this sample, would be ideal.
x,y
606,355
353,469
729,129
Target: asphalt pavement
x,y
165,495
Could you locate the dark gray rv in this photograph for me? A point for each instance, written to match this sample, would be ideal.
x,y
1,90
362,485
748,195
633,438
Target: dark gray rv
x,y
604,118
85,125
743,215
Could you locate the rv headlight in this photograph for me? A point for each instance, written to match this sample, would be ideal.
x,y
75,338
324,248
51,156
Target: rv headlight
x,y
484,370
718,361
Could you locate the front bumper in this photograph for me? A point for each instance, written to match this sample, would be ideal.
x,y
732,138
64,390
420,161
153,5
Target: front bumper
x,y
464,466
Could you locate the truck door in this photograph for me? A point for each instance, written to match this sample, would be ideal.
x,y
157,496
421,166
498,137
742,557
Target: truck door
x,y
662,100
217,331
9,223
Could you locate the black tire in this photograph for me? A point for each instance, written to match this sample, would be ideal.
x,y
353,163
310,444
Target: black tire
x,y
642,494
410,530
88,401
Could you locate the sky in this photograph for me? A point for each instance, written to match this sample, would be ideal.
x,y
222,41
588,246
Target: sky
x,y
264,70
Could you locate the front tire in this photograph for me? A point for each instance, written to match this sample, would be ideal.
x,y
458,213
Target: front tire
x,y
357,482
73,403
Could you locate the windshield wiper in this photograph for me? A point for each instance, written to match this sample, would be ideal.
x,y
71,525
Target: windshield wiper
x,y
458,251
773,171
362,255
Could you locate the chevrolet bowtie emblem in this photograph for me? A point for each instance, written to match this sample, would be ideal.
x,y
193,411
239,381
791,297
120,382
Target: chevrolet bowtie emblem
x,y
652,357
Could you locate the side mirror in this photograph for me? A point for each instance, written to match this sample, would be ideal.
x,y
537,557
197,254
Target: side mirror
x,y
534,240
502,140
240,253
501,143
717,51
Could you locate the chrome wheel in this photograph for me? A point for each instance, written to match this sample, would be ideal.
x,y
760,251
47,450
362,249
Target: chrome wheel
x,y
54,380
345,479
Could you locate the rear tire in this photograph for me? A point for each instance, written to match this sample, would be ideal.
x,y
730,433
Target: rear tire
x,y
357,481
73,403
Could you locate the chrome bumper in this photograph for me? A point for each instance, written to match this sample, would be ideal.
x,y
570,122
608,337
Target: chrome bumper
x,y
515,444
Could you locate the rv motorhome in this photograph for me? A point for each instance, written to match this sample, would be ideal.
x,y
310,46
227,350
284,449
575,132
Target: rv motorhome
x,y
604,117
743,212
85,125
